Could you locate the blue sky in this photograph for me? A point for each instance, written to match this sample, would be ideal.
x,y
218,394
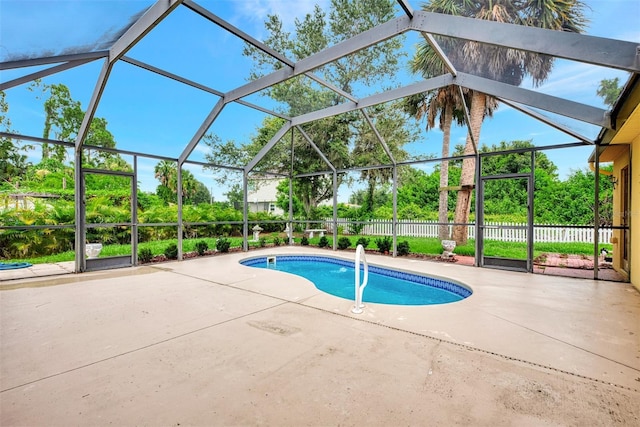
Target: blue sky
x,y
152,114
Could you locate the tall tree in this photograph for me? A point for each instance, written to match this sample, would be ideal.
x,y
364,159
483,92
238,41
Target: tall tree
x,y
609,90
445,104
507,65
63,118
13,163
368,149
193,191
376,65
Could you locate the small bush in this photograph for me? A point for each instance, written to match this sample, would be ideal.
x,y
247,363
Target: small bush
x,y
262,242
363,241
277,241
201,247
304,241
344,243
145,255
171,251
324,242
403,248
384,244
222,245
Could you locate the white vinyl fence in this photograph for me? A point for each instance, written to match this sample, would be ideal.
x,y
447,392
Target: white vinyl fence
x,y
416,228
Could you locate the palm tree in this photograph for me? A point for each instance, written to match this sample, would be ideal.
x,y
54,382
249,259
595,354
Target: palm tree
x,y
445,104
164,170
499,63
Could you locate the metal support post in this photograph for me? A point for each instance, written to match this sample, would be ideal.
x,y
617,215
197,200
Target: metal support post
x,y
134,212
479,210
80,216
335,210
394,225
596,215
245,212
179,191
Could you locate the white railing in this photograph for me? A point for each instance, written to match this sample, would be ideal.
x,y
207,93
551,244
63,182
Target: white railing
x,y
418,228
358,305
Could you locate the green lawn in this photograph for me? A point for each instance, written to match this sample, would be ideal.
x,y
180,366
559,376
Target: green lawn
x,y
421,245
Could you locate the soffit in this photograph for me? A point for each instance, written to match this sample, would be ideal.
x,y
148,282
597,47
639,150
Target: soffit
x,y
630,129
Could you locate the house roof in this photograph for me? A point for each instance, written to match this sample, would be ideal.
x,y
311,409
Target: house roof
x,y
625,118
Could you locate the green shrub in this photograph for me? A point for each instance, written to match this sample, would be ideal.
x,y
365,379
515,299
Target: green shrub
x,y
262,242
202,247
344,243
145,255
277,241
171,251
363,241
323,242
304,241
403,248
222,245
384,244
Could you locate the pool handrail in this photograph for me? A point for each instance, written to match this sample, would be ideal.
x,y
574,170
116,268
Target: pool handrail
x,y
360,256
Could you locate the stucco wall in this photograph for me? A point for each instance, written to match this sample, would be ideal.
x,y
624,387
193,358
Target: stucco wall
x,y
620,163
635,213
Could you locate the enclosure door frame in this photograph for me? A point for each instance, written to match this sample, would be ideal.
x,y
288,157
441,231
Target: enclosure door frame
x,y
119,261
626,218
503,262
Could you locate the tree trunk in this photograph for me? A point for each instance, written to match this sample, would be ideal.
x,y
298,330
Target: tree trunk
x,y
371,187
467,178
443,202
306,205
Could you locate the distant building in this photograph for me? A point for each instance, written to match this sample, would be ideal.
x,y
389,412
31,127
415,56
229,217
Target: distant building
x,y
24,200
262,196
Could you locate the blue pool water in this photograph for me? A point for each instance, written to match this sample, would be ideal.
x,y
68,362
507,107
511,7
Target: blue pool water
x,y
386,286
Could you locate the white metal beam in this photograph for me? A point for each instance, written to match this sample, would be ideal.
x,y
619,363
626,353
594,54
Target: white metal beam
x,y
259,45
43,73
467,119
547,120
361,41
197,85
611,53
268,146
201,131
141,27
564,107
380,98
404,4
315,147
34,62
93,104
381,140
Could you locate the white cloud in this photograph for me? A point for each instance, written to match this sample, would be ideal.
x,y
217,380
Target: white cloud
x,y
202,148
578,81
255,12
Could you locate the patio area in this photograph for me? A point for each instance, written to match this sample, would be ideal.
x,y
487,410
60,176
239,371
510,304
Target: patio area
x,y
210,342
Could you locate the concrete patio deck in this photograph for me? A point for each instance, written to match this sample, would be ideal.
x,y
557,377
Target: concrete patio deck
x,y
210,342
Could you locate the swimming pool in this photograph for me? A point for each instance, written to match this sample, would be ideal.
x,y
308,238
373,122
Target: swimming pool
x,y
335,276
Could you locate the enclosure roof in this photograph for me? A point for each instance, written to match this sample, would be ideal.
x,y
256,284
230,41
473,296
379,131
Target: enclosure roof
x,y
85,36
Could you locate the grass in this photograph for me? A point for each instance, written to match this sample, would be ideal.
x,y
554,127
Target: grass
x,y
421,245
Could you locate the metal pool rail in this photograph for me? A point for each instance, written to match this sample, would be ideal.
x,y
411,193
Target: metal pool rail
x,y
360,256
